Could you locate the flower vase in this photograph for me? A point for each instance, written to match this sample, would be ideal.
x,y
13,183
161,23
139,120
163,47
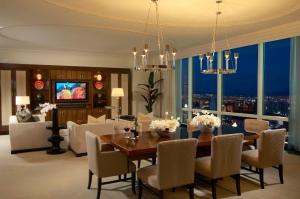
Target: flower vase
x,y
164,133
206,132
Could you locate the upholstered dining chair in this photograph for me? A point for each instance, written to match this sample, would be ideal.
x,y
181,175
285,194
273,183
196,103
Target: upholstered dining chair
x,y
225,160
255,126
175,167
103,162
269,153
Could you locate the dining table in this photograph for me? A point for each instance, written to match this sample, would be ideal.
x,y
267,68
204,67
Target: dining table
x,y
144,146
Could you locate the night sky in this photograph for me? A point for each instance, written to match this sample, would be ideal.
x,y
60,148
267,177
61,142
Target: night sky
x,y
244,82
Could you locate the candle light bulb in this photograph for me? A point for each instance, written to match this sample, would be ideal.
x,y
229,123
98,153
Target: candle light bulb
x,y
185,106
146,48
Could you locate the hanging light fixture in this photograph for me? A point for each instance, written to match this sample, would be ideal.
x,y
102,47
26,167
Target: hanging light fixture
x,y
165,60
230,65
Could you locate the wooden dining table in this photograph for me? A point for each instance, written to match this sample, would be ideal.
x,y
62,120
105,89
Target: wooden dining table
x,y
145,145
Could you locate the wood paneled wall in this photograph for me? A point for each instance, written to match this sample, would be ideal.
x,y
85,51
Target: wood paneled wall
x,y
18,79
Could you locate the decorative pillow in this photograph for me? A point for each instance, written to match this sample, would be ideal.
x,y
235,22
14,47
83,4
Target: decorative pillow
x,y
143,117
93,120
24,116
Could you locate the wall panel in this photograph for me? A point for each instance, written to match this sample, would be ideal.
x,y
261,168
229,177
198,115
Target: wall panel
x,y
6,100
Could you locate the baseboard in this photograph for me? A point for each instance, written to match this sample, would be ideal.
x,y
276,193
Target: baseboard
x,y
29,150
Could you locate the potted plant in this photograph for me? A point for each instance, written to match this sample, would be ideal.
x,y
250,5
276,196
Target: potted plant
x,y
151,92
206,122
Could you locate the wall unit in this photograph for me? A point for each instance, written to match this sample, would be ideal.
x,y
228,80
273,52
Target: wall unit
x,y
41,89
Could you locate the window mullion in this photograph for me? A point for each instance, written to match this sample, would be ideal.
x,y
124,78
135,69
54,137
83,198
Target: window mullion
x,y
260,81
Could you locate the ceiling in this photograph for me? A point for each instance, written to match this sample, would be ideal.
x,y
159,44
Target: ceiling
x,y
116,26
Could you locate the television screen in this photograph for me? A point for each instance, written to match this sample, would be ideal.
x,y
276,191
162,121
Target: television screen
x,y
66,91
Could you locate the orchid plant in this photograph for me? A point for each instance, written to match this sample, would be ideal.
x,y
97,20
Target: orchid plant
x,y
46,107
205,119
165,125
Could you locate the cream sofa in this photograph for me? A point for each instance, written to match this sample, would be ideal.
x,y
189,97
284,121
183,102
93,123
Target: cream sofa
x,y
28,136
77,134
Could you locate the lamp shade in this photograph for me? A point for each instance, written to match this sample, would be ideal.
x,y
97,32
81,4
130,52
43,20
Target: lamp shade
x,y
22,100
117,92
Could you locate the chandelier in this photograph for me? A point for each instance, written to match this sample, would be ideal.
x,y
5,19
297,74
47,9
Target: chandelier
x,y
231,63
163,57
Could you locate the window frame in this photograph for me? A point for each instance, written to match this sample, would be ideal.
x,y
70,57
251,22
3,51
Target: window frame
x,y
219,112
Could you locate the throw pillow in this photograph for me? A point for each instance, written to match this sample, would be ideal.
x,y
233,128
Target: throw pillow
x,y
24,116
93,120
143,117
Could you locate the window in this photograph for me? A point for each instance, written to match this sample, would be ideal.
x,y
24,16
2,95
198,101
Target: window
x,y
240,89
232,124
276,77
184,81
204,87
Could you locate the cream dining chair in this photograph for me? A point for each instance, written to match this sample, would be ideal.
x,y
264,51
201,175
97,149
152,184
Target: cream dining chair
x,y
255,126
269,153
103,162
225,160
175,167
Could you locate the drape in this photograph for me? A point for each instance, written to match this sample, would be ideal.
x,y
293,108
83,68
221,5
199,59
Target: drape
x,y
294,116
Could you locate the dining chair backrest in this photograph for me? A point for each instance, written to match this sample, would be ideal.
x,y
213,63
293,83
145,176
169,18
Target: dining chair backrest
x,y
93,147
226,151
271,147
255,126
176,163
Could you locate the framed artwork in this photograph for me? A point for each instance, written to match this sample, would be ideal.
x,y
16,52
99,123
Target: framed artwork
x,y
98,85
39,84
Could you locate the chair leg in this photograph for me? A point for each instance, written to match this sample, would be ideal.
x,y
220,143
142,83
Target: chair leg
x,y
238,184
191,191
133,182
90,179
140,184
120,177
125,177
261,178
161,194
280,169
139,164
214,188
154,161
99,187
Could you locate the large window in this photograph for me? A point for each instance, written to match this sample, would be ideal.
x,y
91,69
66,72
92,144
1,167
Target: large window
x,y
232,124
204,87
184,81
276,77
240,89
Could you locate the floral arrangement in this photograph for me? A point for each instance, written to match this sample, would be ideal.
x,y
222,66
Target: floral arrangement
x,y
205,119
165,125
44,108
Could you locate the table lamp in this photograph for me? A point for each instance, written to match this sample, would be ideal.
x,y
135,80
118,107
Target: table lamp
x,y
117,93
22,101
23,115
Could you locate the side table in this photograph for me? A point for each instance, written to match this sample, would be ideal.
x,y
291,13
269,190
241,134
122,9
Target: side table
x,y
55,139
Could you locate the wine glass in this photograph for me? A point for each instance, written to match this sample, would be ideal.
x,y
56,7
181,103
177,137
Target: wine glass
x,y
127,130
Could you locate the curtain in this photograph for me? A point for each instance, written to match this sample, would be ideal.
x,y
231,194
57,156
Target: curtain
x,y
294,117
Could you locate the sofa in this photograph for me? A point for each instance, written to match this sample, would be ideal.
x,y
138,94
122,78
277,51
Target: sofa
x,y
29,136
77,134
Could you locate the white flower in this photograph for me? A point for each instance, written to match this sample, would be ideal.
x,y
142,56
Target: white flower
x,y
170,124
46,107
206,119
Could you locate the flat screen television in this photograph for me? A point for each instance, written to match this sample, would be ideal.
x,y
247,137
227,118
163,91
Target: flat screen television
x,y
72,91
